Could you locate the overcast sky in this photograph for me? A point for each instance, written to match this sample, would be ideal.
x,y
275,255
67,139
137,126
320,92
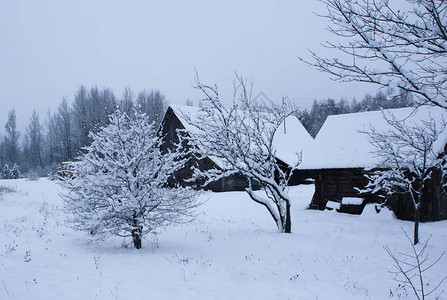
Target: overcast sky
x,y
48,48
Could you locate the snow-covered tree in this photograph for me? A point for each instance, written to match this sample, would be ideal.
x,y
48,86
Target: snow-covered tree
x,y
409,153
119,185
242,140
395,44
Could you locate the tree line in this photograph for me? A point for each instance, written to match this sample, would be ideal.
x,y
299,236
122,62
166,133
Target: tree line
x,y
61,136
314,118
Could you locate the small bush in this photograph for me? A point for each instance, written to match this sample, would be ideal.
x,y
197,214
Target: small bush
x,y
10,173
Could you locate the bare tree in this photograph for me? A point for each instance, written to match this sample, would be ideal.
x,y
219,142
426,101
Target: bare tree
x,y
95,107
2,151
126,103
48,139
119,187
108,105
410,269
392,44
81,126
91,110
153,104
11,140
242,140
64,129
407,159
102,104
34,142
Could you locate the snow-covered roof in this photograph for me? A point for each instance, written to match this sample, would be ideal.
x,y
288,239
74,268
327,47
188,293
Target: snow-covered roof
x,y
183,110
288,141
341,143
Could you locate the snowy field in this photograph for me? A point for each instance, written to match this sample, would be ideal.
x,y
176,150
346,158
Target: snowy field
x,y
231,251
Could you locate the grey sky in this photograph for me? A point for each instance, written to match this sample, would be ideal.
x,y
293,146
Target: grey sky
x,y
48,48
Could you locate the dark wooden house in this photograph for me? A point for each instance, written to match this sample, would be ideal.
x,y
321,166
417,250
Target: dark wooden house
x,y
174,120
287,142
341,156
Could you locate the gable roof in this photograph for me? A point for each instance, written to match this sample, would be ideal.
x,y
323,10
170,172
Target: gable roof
x,y
183,110
290,139
341,143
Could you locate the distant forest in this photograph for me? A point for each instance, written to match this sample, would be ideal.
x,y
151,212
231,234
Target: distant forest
x,y
59,137
314,118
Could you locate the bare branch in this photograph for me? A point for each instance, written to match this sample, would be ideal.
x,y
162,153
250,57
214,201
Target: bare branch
x,y
389,46
241,138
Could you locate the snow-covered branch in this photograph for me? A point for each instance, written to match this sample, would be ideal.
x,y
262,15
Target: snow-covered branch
x,y
390,46
240,139
406,157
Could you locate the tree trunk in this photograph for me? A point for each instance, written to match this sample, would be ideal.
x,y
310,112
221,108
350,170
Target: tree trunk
x,y
137,241
136,237
136,233
416,224
288,224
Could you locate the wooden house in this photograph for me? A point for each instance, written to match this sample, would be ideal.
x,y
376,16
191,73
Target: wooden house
x,y
287,141
342,155
173,121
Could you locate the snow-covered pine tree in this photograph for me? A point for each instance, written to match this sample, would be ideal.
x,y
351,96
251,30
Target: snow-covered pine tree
x,y
119,187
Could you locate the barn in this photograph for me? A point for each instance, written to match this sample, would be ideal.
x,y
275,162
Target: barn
x,y
288,141
342,155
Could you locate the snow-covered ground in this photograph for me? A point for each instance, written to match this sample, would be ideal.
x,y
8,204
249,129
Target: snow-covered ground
x,y
231,251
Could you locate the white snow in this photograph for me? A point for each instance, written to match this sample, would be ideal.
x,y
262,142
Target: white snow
x,y
231,251
333,204
352,201
183,112
290,138
341,142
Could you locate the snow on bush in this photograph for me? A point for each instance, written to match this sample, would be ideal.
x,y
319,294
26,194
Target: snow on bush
x,y
352,201
10,173
119,185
